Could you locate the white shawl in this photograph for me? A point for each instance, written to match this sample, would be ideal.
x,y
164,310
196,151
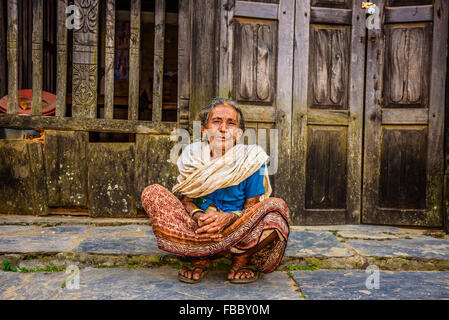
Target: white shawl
x,y
201,175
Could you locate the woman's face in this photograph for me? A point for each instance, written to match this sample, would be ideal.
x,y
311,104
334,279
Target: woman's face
x,y
222,127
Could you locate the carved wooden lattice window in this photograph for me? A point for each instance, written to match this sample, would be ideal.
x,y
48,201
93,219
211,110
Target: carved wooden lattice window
x,y
120,58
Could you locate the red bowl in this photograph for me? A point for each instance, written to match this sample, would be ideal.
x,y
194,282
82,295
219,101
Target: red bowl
x,y
25,96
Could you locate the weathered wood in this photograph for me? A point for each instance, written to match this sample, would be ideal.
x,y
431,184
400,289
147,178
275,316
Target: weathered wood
x,y
160,169
408,14
402,176
284,97
203,60
374,78
411,146
262,114
184,42
331,15
3,51
329,63
37,53
435,156
85,57
158,79
134,61
66,168
109,60
141,164
326,173
299,111
407,65
111,192
39,195
256,10
355,117
255,61
404,116
13,84
61,59
409,2
226,79
22,187
342,4
328,117
75,124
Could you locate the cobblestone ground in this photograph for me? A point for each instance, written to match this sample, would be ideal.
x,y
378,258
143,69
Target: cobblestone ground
x,y
119,259
162,284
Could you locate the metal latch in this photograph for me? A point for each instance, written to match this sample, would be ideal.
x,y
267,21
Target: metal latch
x,y
369,6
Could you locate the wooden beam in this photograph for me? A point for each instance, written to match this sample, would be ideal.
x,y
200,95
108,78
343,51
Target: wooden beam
x,y
37,54
13,83
435,151
184,42
3,75
80,124
408,14
134,61
256,10
226,49
109,60
85,61
355,116
405,116
331,15
299,114
284,97
158,79
61,59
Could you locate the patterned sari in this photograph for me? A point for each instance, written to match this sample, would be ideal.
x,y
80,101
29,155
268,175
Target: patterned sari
x,y
175,229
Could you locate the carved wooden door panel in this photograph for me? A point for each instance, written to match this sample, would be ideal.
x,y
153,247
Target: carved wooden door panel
x,y
404,118
327,117
256,63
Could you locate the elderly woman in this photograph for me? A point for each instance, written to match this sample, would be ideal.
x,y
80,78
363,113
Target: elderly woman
x,y
225,208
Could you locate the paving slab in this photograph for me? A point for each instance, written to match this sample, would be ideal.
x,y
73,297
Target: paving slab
x,y
119,245
13,228
42,243
366,235
349,227
64,229
119,229
30,286
351,285
418,248
67,219
144,284
315,244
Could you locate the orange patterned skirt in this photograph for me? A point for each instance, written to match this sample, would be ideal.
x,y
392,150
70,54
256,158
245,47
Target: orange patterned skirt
x,y
175,229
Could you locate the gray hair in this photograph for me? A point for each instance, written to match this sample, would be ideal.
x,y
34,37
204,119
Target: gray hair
x,y
205,112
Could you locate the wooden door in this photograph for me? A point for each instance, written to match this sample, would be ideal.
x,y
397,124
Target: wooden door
x,y
404,118
327,112
256,64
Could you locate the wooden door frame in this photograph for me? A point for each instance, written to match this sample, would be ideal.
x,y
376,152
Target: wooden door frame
x,y
302,117
281,113
435,125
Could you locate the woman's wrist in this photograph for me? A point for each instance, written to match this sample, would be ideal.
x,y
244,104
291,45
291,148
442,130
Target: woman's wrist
x,y
197,215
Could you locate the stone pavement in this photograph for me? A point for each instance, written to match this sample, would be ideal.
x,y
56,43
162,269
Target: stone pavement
x,y
119,259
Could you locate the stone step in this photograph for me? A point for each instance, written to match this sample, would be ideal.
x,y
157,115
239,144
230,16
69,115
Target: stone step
x,y
42,242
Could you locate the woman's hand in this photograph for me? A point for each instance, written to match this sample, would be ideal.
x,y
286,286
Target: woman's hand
x,y
212,224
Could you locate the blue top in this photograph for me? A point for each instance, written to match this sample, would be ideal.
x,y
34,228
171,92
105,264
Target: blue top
x,y
232,198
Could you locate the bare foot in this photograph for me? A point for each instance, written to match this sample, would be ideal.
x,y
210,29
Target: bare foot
x,y
195,275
